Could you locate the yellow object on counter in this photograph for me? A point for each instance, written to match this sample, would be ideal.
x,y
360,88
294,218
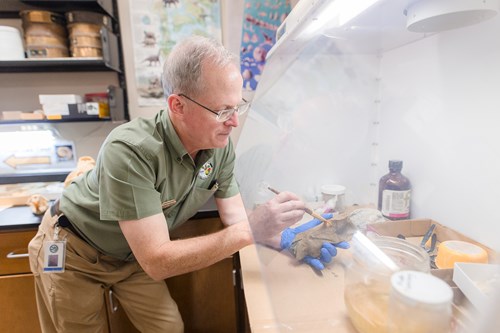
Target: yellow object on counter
x,y
450,252
85,163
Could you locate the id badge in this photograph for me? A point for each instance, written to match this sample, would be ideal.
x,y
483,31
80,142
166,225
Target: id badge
x,y
54,255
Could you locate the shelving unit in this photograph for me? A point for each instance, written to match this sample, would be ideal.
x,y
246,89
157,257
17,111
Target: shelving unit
x,y
25,79
111,60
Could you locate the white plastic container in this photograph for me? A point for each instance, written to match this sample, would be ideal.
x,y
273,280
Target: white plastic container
x,y
419,303
12,44
477,282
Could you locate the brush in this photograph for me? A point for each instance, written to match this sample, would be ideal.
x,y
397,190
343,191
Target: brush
x,y
306,209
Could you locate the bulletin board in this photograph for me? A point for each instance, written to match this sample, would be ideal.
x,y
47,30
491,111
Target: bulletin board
x,y
261,19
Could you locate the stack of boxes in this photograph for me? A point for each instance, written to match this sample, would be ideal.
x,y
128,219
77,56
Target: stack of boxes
x,y
63,106
46,36
84,33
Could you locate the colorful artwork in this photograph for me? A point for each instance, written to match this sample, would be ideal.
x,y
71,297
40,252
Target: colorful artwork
x,y
261,19
156,26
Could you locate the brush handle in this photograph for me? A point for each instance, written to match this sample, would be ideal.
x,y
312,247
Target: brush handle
x,y
315,215
306,209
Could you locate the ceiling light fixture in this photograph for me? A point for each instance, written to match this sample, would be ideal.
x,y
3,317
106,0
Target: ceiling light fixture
x,y
440,15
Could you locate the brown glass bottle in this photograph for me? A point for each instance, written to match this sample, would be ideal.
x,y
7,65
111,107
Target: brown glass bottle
x,y
394,193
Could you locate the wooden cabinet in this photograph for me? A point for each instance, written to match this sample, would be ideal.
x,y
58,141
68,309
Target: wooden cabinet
x,y
206,298
209,299
17,305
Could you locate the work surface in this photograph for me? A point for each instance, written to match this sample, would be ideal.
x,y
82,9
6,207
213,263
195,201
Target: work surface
x,y
282,295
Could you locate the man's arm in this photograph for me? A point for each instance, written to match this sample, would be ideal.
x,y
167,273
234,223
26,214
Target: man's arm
x,y
161,257
265,221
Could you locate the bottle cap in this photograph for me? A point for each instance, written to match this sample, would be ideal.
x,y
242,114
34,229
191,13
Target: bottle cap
x,y
333,189
395,165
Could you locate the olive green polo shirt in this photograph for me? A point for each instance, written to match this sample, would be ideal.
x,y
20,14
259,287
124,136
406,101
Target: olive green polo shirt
x,y
142,170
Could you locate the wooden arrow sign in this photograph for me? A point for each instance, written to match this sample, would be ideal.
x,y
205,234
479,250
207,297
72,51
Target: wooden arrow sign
x,y
14,161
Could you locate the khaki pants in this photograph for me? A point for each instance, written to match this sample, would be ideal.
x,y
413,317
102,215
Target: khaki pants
x,y
73,301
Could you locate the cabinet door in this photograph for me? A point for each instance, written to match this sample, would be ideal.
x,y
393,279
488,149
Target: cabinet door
x,y
18,306
206,298
14,251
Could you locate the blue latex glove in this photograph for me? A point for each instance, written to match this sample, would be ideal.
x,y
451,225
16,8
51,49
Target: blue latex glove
x,y
328,250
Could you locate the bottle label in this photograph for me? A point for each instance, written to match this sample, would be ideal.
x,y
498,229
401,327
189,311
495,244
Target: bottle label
x,y
396,204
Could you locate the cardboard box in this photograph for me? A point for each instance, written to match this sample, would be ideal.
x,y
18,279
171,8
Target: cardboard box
x,y
60,99
414,230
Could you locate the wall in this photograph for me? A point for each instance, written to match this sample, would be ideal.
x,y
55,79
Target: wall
x,y
232,16
440,113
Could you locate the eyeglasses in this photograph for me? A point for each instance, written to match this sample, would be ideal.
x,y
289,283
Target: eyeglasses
x,y
223,115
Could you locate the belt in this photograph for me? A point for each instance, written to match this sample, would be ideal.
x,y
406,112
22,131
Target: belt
x,y
63,220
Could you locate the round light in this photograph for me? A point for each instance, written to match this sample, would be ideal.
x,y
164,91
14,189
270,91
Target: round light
x,y
440,15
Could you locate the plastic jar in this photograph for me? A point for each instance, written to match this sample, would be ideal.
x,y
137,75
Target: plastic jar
x,y
419,303
12,44
334,197
368,283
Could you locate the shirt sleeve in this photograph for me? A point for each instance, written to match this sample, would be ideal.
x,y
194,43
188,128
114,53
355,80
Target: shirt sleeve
x,y
126,183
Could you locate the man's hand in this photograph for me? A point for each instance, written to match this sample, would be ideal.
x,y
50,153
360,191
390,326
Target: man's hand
x,y
269,219
327,251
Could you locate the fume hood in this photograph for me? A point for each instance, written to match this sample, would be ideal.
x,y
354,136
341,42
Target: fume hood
x,y
350,85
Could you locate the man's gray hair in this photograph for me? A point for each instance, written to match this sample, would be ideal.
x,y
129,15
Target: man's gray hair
x,y
182,68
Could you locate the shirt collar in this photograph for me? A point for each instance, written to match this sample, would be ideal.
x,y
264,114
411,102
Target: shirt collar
x,y
174,142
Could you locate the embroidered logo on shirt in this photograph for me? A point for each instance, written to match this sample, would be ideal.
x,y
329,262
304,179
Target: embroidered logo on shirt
x,y
205,170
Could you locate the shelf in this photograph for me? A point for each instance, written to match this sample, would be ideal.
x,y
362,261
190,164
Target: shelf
x,y
52,121
109,61
58,176
11,8
54,65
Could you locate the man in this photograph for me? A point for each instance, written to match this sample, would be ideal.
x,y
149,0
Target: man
x,y
111,226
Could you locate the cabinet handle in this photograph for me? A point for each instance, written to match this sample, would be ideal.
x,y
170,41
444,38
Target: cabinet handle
x,y
13,255
112,305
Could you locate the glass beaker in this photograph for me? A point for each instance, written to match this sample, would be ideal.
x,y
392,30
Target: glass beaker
x,y
367,283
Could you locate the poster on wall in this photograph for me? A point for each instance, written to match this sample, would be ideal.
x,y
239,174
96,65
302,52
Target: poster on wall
x,y
156,27
261,19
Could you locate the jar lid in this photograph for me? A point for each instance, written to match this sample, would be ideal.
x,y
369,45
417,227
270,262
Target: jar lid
x,y
6,28
333,189
421,287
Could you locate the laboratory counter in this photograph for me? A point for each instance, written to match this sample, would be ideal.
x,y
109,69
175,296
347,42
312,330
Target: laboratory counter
x,y
284,295
18,217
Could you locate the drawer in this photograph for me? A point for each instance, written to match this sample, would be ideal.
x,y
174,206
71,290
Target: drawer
x,y
14,251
